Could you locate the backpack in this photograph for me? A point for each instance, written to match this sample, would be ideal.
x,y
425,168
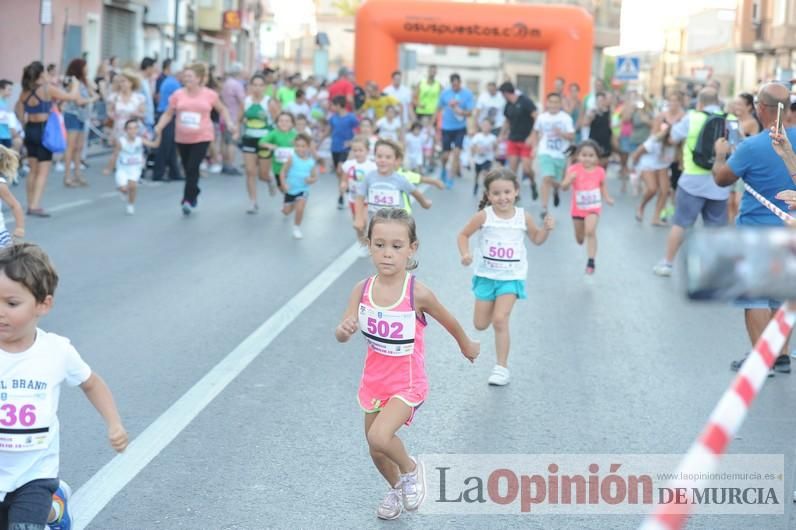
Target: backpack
x,y
714,128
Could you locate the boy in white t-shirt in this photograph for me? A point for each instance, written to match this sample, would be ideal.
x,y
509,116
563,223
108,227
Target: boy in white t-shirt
x,y
33,366
414,147
483,147
552,134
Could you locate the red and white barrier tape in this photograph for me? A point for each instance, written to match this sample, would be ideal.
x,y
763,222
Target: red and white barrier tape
x,y
726,418
776,210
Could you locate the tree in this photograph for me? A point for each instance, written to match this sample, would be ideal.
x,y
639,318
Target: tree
x,y
347,8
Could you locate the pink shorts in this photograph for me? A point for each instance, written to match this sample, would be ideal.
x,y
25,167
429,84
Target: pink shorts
x,y
379,404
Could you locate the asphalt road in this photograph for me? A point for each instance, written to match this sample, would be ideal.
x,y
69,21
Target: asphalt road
x,y
619,364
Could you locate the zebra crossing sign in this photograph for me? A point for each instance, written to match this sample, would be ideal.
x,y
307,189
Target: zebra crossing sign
x,y
627,68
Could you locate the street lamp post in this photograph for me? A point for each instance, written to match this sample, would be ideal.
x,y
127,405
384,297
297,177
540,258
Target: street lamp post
x,y
176,27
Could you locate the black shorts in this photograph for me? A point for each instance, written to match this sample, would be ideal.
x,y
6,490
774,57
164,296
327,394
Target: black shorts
x,y
675,174
453,139
339,157
6,142
34,135
290,199
29,503
486,166
251,146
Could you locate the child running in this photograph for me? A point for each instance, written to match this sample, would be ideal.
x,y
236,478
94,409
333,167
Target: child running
x,y
484,146
552,134
31,495
414,148
587,178
130,160
343,124
355,170
384,188
653,159
9,166
501,265
298,173
280,142
390,309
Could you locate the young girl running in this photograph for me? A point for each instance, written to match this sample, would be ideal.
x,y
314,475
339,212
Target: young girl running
x,y
9,165
130,160
500,265
390,309
298,173
355,169
256,122
587,179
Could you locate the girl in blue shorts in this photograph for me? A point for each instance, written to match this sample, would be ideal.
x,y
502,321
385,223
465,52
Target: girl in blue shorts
x,y
500,262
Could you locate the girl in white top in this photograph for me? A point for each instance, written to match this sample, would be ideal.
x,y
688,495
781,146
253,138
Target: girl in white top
x,y
366,130
500,265
355,169
652,159
9,165
483,147
414,148
130,160
390,126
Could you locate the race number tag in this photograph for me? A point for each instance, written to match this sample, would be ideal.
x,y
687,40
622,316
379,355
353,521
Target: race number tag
x,y
24,421
389,333
190,120
283,153
501,255
554,144
588,199
384,198
130,160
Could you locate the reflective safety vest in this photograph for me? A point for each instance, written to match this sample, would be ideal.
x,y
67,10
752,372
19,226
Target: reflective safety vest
x,y
428,97
696,119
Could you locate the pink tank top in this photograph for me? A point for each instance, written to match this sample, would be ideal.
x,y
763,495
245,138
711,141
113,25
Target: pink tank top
x,y
395,362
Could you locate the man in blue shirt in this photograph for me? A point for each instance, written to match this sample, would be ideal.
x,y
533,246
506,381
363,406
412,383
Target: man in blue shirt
x,y
456,104
166,156
760,167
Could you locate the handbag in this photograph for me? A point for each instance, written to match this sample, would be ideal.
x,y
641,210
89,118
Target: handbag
x,y
54,138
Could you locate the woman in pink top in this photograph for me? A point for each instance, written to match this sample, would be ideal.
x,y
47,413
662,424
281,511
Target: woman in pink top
x,y
587,179
192,105
390,310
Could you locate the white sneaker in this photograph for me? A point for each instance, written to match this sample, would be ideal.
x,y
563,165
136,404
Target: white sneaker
x,y
297,233
130,209
662,269
215,168
499,377
413,487
390,507
203,165
363,251
59,167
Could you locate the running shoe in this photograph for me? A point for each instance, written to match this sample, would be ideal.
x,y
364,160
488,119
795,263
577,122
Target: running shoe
x,y
340,204
215,168
500,376
391,506
253,209
231,170
130,210
556,198
534,191
186,208
589,270
60,167
736,365
297,233
663,269
60,505
413,486
782,364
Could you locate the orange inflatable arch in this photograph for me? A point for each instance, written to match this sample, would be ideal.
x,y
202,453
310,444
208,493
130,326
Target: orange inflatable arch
x,y
564,32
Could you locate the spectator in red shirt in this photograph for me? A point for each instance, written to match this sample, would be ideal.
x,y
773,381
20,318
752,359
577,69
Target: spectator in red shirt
x,y
343,86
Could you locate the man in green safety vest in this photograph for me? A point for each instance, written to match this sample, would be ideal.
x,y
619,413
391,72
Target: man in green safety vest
x,y
697,193
426,97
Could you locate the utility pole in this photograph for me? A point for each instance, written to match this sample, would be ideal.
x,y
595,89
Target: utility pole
x,y
176,27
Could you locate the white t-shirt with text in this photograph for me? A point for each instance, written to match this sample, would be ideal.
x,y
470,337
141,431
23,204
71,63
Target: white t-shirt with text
x,y
492,107
30,386
551,143
484,147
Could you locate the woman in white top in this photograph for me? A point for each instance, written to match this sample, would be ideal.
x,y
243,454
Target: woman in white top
x,y
652,159
125,103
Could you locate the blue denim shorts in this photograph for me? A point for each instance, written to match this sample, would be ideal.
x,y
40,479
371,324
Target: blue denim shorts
x,y
758,303
488,290
73,123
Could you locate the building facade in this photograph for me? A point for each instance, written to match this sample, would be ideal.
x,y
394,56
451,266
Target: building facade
x,y
765,34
